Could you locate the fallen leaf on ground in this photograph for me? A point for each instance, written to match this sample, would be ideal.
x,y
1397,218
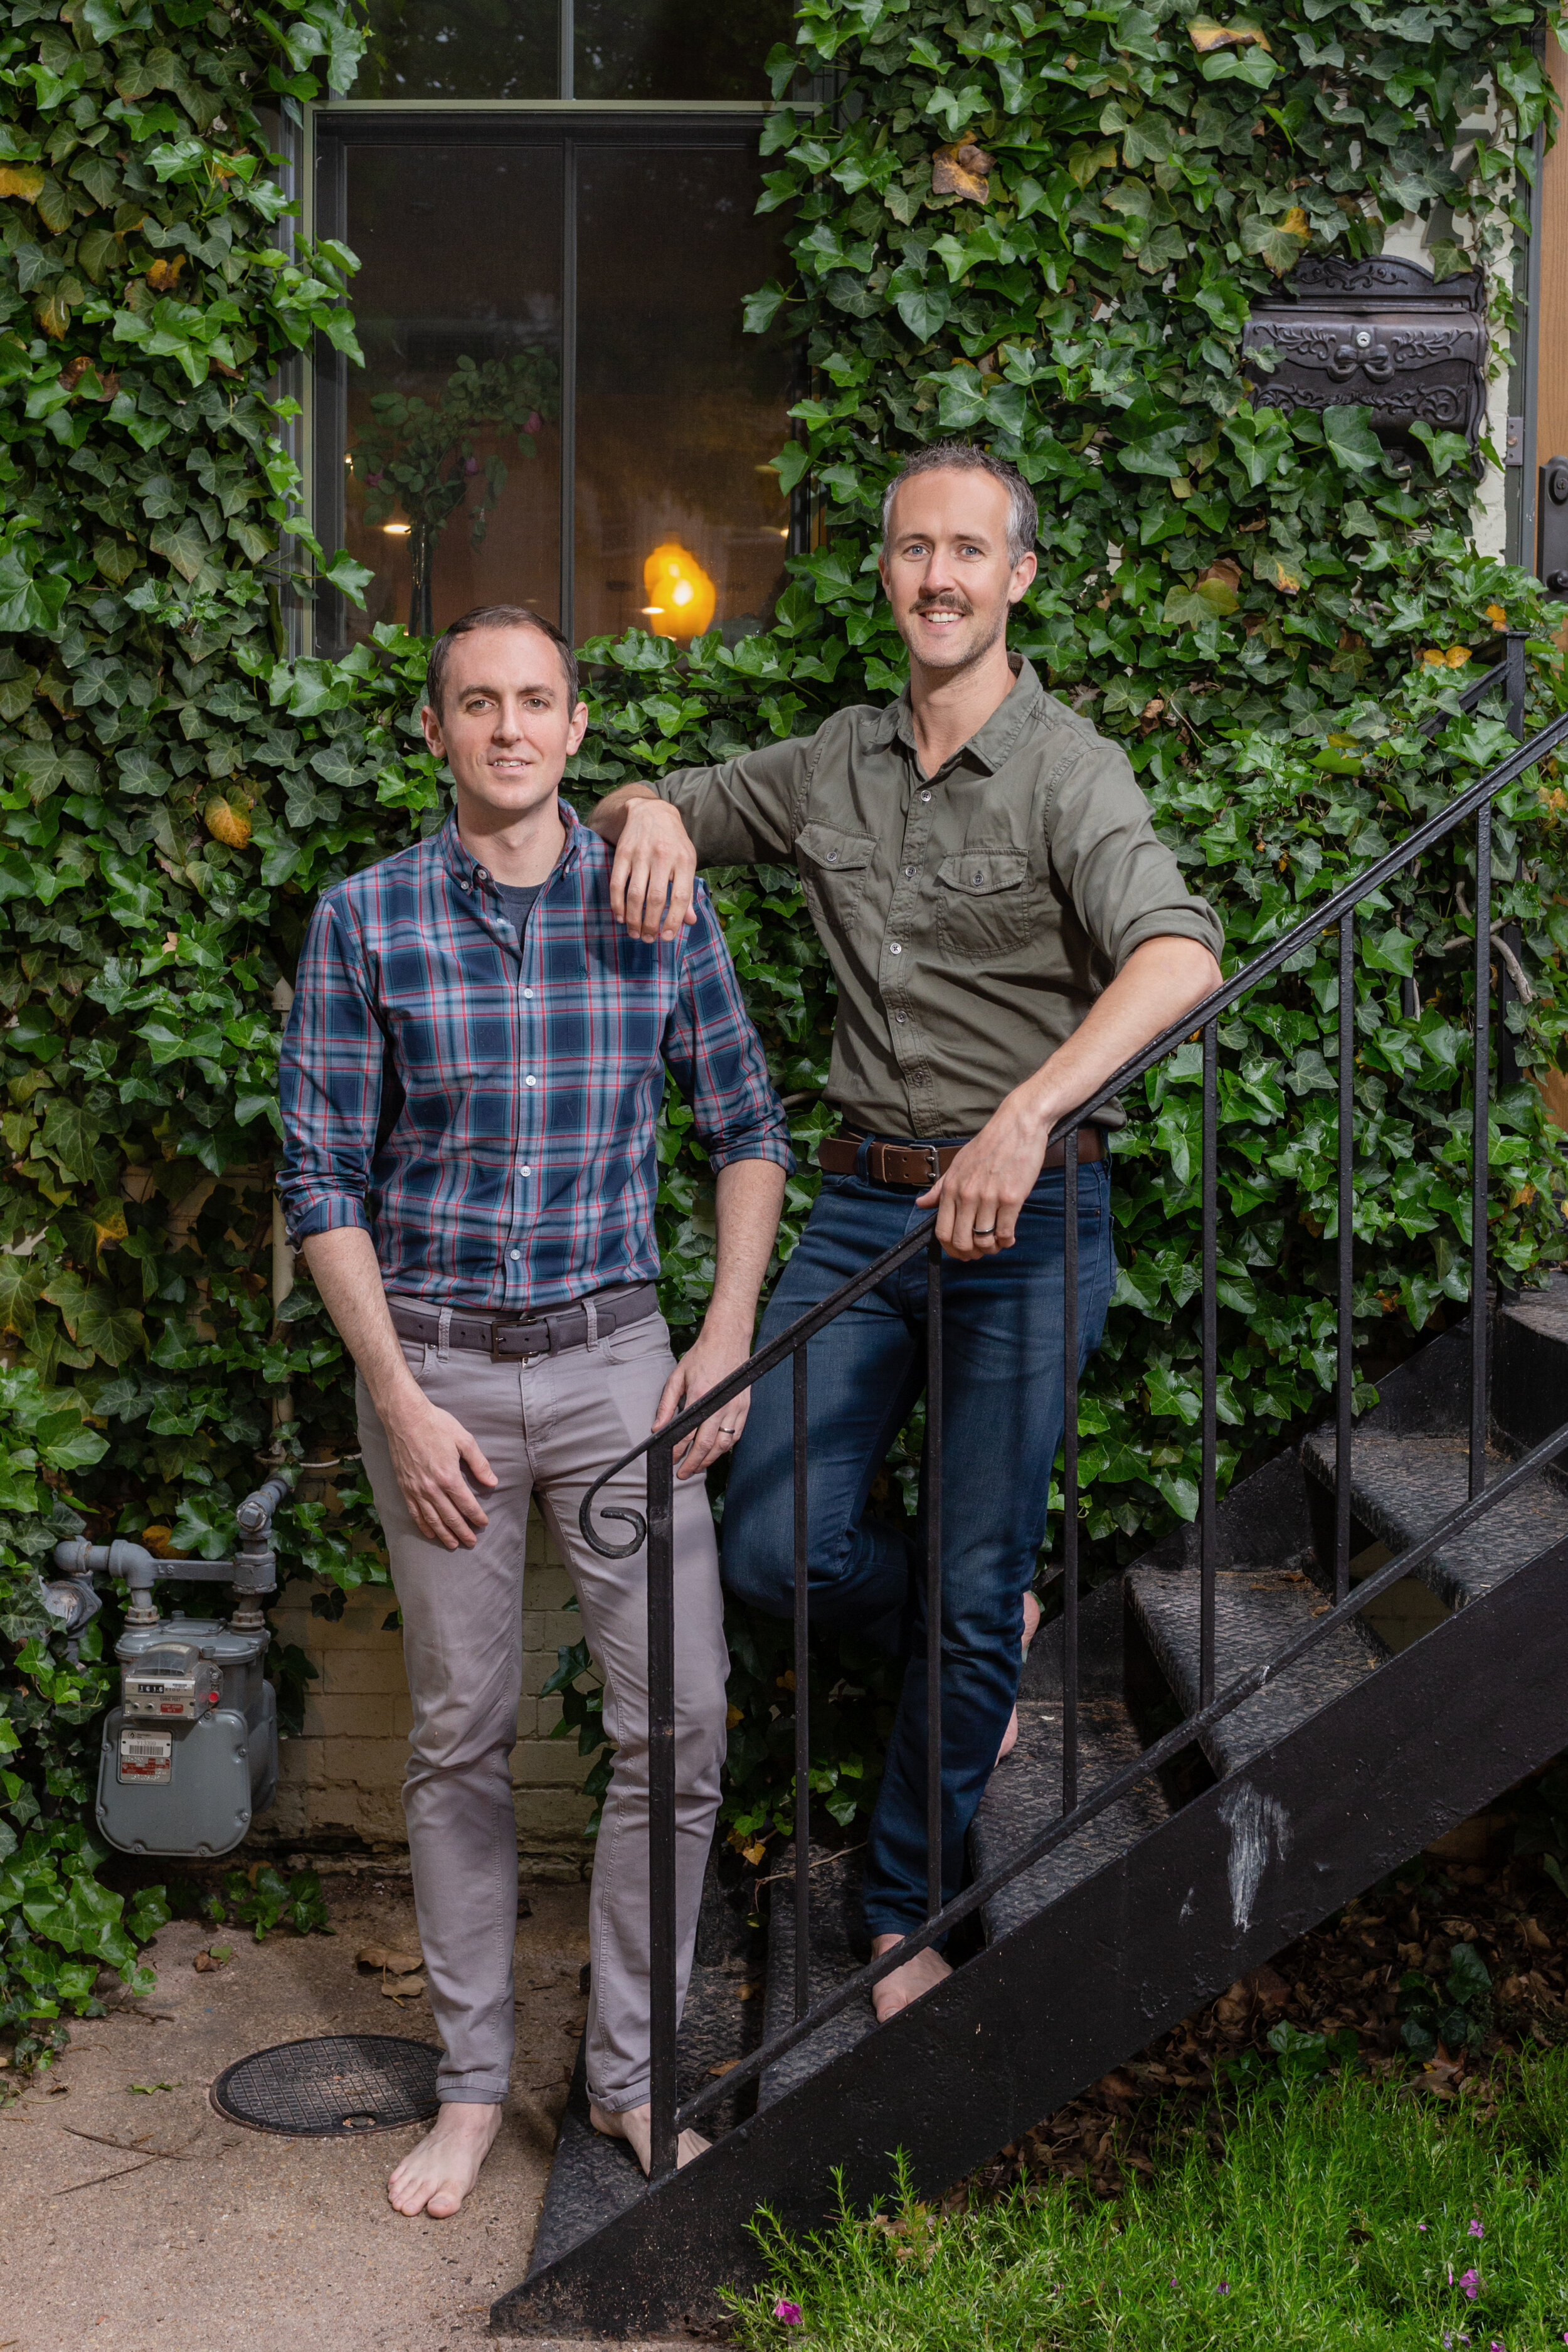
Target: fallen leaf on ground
x,y
723,2066
218,1957
403,1988
146,2089
389,1957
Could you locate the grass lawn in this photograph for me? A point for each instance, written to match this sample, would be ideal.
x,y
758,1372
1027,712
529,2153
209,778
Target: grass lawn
x,y
1344,2211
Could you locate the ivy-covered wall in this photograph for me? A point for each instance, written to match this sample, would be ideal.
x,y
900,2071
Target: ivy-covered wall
x,y
1041,226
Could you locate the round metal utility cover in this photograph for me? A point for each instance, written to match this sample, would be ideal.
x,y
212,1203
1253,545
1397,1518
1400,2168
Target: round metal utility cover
x,y
332,2087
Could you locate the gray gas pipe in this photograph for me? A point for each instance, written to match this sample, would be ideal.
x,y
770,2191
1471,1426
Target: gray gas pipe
x,y
190,1754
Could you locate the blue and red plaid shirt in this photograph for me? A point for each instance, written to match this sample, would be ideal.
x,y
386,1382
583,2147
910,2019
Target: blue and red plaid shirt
x,y
489,1115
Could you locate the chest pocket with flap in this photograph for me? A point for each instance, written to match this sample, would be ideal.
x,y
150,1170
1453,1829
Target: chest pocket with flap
x,y
834,868
983,901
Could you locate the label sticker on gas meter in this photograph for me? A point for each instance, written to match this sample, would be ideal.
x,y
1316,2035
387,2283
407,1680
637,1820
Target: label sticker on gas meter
x,y
146,1755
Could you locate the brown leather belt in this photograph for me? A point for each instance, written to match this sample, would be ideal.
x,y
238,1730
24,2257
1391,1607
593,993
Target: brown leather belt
x,y
922,1163
505,1341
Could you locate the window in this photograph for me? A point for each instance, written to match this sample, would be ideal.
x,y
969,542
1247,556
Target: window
x,y
558,405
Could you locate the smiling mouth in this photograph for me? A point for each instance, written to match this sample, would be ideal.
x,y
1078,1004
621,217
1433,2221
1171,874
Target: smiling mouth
x,y
939,613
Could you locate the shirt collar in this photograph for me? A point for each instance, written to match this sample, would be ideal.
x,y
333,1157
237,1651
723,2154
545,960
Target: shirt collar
x,y
991,745
470,876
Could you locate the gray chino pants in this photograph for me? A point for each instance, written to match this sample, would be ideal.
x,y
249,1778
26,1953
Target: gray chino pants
x,y
549,1427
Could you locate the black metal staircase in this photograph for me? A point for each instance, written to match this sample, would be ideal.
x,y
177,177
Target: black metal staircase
x,y
1126,1865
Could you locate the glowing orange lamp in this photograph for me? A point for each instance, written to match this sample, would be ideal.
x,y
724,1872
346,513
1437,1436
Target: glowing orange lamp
x,y
680,595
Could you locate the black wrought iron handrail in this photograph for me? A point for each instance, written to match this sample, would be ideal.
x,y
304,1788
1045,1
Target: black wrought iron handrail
x,y
657,1528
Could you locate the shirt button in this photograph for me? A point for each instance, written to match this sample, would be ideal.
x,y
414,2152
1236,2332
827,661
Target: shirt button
x,y
908,873
833,857
894,949
978,876
528,1172
528,992
925,796
530,1082
900,1018
517,1253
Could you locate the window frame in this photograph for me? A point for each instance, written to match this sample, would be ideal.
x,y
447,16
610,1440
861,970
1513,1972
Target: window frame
x,y
566,123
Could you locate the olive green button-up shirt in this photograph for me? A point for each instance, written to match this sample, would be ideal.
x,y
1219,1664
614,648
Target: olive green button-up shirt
x,y
972,916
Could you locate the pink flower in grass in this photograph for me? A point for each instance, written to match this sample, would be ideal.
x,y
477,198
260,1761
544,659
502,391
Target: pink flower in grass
x,y
790,2313
1476,2231
1471,2282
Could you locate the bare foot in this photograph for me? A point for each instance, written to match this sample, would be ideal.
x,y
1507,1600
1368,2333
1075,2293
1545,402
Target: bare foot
x,y
1031,1627
904,1985
635,2125
436,2176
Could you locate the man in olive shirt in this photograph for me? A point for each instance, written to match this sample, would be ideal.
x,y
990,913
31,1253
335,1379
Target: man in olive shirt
x,y
1006,931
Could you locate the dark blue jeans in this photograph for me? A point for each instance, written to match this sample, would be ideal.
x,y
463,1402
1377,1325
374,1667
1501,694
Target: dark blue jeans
x,y
1002,1406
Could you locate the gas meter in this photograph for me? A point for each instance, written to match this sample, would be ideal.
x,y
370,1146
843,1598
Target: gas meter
x,y
190,1754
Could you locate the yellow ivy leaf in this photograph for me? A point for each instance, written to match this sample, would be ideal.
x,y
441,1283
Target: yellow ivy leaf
x,y
1207,37
1432,656
226,824
735,1714
1296,222
53,314
753,1854
22,180
1497,616
1457,657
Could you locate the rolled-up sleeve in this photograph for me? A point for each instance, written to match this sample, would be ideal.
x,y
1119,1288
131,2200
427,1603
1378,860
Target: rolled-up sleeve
x,y
747,808
715,1054
330,1079
1125,885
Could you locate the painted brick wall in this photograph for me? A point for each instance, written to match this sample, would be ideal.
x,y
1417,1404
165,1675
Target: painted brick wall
x,y
346,1772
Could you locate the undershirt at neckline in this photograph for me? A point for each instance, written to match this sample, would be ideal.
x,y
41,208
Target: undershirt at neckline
x,y
517,904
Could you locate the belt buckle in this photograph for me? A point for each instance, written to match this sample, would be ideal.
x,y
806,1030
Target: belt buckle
x,y
934,1162
519,1354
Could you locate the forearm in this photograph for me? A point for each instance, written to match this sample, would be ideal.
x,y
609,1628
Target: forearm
x,y
748,1197
344,1268
1160,981
609,817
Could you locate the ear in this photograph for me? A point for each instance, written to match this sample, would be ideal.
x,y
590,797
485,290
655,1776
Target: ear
x,y
432,725
1024,572
577,730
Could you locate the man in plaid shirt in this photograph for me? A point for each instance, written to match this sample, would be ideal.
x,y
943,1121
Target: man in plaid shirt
x,y
470,1076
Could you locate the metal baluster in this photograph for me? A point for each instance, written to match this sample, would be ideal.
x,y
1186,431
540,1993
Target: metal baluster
x,y
662,1802
1344,1374
1069,1471
1480,1149
801,1710
1208,1539
933,1501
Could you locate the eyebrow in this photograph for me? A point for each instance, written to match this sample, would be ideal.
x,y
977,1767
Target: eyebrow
x,y
541,686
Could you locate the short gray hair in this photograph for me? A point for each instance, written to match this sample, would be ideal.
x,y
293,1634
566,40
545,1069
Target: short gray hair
x,y
962,457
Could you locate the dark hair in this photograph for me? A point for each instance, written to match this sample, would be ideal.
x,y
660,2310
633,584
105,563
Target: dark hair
x,y
495,617
1023,514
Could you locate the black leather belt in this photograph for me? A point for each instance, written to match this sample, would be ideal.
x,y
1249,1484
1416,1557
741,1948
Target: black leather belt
x,y
504,1342
922,1163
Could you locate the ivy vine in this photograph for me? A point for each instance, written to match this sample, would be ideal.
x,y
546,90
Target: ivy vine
x,y
1044,226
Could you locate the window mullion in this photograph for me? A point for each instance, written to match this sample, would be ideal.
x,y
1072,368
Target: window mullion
x,y
568,374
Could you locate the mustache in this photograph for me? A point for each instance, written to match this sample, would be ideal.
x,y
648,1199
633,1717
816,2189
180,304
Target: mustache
x,y
944,604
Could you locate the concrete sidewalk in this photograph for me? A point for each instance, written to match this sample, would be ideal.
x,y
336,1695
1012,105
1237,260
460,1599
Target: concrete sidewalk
x,y
232,2240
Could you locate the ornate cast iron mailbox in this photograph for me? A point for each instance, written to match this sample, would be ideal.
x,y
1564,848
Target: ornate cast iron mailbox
x,y
1383,333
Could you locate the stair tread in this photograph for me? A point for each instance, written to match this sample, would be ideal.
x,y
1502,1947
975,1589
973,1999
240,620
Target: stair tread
x,y
594,2177
840,1945
1257,1611
1406,1486
1023,1797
